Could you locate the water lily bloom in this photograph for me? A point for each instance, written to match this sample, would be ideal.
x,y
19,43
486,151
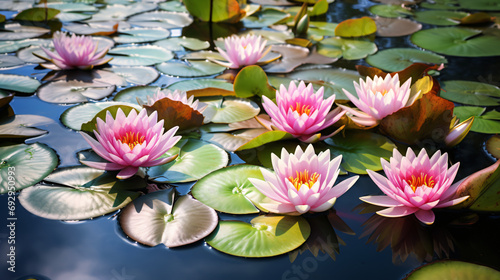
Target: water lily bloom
x,y
458,131
302,112
378,98
302,182
243,50
415,185
130,142
74,52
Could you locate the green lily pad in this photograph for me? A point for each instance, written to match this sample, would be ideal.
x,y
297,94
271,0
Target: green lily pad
x,y
161,220
9,61
229,190
294,56
252,80
70,7
483,122
37,14
196,159
396,27
173,6
265,236
18,83
350,49
25,165
141,35
75,116
361,150
456,270
265,18
74,91
136,75
12,46
22,126
198,84
222,10
15,31
119,12
180,43
232,109
92,28
397,59
70,17
264,138
457,41
232,141
483,5
131,94
163,19
356,27
91,125
390,11
440,17
79,193
139,55
190,68
471,93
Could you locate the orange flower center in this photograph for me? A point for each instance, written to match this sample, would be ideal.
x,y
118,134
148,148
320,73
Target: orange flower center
x,y
421,180
383,92
132,139
303,178
301,109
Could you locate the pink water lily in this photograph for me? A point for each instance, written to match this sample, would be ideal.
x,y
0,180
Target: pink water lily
x,y
302,182
302,112
378,98
130,142
243,50
74,52
415,185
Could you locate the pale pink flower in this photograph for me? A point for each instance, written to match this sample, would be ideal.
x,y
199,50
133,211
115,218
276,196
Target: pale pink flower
x,y
302,112
378,98
243,51
458,131
74,52
415,185
176,95
302,182
130,142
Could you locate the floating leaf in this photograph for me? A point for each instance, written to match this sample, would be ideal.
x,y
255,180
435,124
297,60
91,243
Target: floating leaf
x,y
265,236
91,125
360,150
190,68
493,146
80,193
457,41
294,56
136,75
196,159
5,98
440,17
483,123
232,141
485,5
471,93
216,87
75,116
348,48
139,55
395,27
131,94
266,17
167,20
397,59
390,11
232,109
176,113
179,43
28,164
252,80
229,190
161,220
69,17
141,35
15,31
9,61
267,137
356,27
18,83
117,12
37,14
12,46
173,6
457,269
91,28
22,126
74,91
223,10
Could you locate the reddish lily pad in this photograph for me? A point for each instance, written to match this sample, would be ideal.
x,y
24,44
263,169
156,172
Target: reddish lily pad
x,y
294,56
396,27
176,113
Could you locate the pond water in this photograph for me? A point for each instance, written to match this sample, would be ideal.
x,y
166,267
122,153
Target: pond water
x,y
98,249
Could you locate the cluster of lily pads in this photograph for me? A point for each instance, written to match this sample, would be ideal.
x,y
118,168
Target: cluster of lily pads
x,y
297,128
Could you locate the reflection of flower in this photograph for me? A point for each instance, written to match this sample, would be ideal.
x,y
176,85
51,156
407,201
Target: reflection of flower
x,y
130,142
378,98
302,182
415,184
74,52
244,50
176,95
301,112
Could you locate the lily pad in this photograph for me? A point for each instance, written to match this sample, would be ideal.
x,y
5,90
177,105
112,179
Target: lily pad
x,y
131,94
9,61
12,46
176,113
252,80
350,49
232,141
356,27
483,5
190,68
390,11
493,146
264,138
15,31
95,28
22,126
231,109
294,56
361,150
161,220
141,35
222,11
456,270
196,159
483,122
173,6
163,19
91,125
457,41
471,93
70,17
18,83
265,18
136,75
201,84
397,59
139,55
37,14
119,12
229,190
180,43
265,236
25,165
396,27
74,91
440,17
79,193
75,116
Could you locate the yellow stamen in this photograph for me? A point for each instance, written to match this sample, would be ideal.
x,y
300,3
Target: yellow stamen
x,y
132,139
301,109
421,180
303,178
